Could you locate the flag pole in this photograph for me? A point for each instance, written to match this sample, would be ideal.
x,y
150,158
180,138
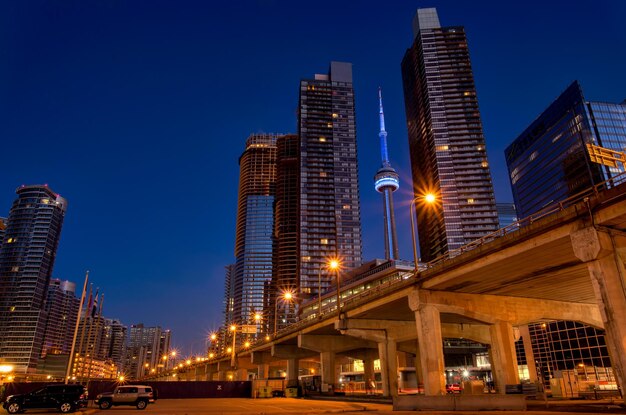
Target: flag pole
x,y
84,330
70,361
91,322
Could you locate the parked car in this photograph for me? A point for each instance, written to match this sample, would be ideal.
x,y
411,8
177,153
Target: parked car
x,y
135,395
65,398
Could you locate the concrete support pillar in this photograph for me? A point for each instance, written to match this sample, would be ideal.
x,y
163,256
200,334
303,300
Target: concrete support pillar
x,y
430,345
293,368
368,370
327,360
221,375
528,351
504,359
603,254
388,366
263,371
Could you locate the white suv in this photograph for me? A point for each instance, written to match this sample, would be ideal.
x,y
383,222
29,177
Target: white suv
x,y
137,395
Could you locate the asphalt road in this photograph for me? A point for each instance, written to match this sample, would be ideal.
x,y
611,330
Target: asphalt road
x,y
292,406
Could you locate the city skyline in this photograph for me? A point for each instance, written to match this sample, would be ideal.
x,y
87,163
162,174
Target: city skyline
x,y
102,125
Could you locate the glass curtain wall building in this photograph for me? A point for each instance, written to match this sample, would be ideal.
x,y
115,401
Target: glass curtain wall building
x,y
254,229
26,260
330,220
549,161
446,142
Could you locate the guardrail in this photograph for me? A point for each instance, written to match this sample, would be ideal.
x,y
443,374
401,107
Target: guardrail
x,y
547,211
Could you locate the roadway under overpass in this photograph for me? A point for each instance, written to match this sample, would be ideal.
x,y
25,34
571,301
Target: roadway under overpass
x,y
566,266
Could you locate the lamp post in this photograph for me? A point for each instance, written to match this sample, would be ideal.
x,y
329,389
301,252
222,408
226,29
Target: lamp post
x,y
334,265
429,198
287,296
233,329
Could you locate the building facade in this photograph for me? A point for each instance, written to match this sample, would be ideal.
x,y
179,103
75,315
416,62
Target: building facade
x,y
26,260
507,215
62,311
446,142
286,263
254,230
549,161
145,352
330,218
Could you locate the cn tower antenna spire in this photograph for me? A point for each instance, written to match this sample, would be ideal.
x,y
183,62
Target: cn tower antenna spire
x,y
386,182
382,134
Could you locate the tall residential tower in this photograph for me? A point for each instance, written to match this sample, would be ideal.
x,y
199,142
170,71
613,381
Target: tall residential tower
x,y
446,142
330,219
386,182
26,260
254,229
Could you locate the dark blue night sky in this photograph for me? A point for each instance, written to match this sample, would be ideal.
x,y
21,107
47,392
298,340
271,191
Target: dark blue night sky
x,y
137,112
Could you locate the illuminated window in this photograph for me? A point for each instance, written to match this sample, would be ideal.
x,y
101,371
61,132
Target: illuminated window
x,y
480,148
306,258
470,201
323,139
323,174
467,93
324,241
15,269
45,201
346,207
442,148
10,240
485,164
533,156
335,115
329,125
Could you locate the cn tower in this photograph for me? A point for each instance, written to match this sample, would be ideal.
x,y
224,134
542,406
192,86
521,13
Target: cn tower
x,y
386,182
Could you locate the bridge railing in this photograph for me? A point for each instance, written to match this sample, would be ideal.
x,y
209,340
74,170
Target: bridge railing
x,y
547,211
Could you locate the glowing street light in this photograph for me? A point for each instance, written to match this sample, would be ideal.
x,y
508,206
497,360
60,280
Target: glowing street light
x,y
430,199
286,296
334,265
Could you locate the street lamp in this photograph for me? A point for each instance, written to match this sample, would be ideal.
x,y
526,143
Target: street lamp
x,y
430,199
233,329
287,296
334,265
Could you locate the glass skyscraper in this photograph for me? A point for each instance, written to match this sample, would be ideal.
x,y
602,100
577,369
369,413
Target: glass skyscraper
x,y
549,161
255,227
446,142
26,260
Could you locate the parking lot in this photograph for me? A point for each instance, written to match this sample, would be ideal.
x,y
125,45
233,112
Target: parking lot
x,y
292,406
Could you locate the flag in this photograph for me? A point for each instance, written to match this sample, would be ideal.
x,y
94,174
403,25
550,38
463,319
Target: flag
x,y
94,306
89,303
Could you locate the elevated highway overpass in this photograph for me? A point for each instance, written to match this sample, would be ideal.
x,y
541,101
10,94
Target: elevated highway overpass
x,y
568,265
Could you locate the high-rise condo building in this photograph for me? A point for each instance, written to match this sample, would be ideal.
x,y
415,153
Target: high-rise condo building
x,y
286,264
62,311
115,334
144,350
446,142
330,219
549,161
386,182
26,261
254,229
